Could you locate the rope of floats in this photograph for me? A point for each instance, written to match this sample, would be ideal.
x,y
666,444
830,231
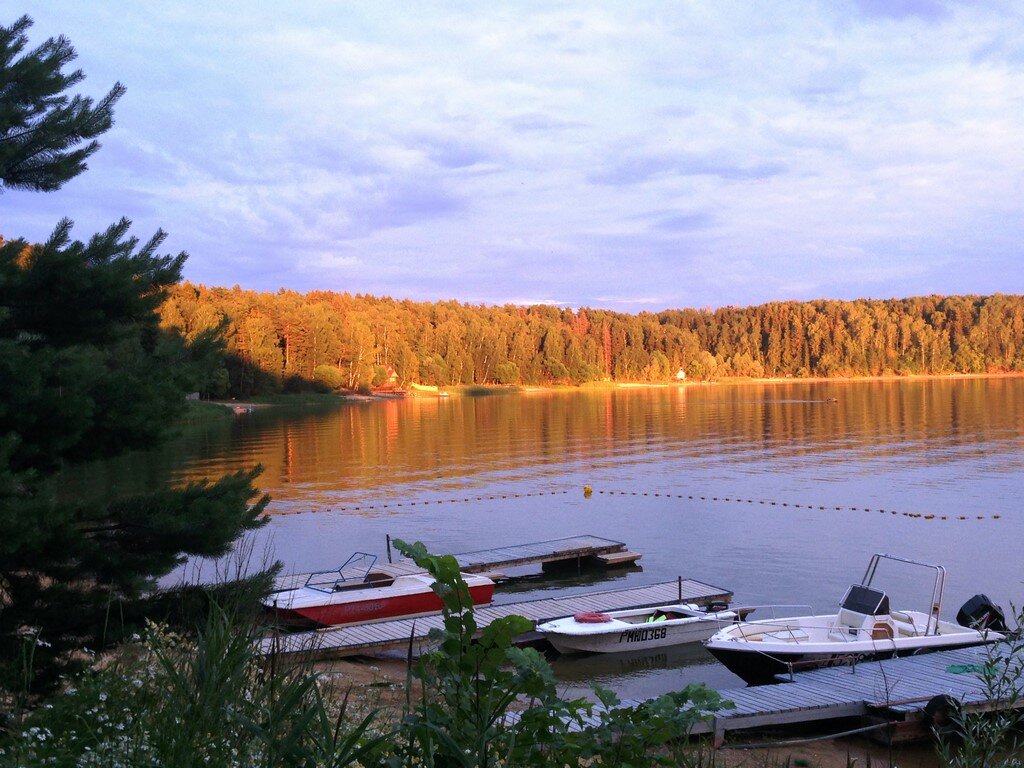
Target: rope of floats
x,y
769,502
399,504
588,492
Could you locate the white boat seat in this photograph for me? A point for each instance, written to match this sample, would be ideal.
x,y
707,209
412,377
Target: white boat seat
x,y
904,624
848,625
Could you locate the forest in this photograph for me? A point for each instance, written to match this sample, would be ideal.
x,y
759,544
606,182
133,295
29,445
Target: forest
x,y
287,340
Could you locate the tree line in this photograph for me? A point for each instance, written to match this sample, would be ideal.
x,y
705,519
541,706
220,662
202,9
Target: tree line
x,y
343,341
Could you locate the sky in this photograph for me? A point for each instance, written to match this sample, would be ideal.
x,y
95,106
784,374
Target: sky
x,y
632,156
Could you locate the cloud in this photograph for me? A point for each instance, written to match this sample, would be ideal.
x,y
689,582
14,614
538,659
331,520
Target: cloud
x,y
683,222
404,204
637,167
931,10
690,154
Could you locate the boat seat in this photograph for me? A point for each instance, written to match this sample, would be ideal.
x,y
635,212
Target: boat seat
x,y
881,630
848,625
904,624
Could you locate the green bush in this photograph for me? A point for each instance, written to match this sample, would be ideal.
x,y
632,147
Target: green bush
x,y
212,700
172,701
991,739
468,685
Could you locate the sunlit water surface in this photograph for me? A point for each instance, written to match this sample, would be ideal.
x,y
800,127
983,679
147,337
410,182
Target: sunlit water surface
x,y
465,473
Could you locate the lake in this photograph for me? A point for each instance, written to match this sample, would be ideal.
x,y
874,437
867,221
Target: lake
x,y
465,473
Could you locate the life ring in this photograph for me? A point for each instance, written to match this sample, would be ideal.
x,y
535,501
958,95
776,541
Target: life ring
x,y
592,617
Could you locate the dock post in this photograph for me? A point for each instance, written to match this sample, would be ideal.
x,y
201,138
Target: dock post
x,y
680,587
388,539
719,731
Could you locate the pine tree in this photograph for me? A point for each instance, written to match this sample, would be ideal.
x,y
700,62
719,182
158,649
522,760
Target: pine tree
x,y
45,136
87,373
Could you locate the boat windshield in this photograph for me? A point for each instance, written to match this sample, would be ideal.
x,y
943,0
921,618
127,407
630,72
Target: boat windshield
x,y
354,571
861,599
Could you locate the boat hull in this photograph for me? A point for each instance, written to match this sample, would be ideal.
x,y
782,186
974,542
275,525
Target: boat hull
x,y
634,638
759,668
371,608
629,630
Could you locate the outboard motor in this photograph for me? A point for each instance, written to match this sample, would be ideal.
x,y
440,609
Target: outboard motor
x,y
981,613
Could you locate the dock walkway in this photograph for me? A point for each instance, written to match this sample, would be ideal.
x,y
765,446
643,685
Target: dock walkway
x,y
593,549
366,639
893,689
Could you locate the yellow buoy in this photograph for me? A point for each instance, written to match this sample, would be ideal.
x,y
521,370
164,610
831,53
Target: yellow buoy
x,y
587,491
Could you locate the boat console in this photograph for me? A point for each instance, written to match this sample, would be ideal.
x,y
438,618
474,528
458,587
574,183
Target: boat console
x,y
866,610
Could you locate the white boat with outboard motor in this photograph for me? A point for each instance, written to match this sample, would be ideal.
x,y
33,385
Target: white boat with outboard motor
x,y
865,627
638,629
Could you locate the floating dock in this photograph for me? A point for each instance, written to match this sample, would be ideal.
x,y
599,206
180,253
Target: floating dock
x,y
367,639
583,550
892,691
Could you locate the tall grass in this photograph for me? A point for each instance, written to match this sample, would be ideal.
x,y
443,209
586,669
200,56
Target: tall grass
x,y
211,700
205,701
989,739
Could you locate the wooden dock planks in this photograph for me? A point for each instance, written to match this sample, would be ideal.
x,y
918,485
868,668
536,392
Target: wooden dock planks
x,y
893,688
365,639
582,547
897,687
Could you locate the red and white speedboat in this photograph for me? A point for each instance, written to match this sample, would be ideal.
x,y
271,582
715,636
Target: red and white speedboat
x,y
354,594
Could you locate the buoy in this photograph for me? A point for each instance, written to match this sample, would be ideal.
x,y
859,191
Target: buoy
x,y
587,491
592,617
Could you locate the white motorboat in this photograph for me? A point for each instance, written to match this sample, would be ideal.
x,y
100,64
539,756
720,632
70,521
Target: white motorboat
x,y
634,630
865,627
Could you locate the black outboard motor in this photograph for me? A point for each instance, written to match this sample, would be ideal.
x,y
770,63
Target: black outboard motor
x,y
981,613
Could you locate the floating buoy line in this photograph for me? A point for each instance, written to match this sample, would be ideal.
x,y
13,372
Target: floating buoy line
x,y
770,503
588,492
401,504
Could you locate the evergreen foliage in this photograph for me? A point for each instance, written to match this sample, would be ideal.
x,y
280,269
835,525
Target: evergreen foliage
x,y
45,136
86,373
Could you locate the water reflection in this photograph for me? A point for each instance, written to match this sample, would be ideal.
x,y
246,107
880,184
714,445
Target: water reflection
x,y
467,473
642,673
372,452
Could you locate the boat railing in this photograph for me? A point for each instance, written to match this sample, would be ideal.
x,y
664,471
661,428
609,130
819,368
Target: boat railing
x,y
775,610
938,585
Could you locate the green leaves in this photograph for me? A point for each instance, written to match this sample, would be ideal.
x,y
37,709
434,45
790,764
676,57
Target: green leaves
x,y
475,678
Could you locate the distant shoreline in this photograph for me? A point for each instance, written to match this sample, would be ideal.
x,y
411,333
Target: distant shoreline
x,y
460,391
740,380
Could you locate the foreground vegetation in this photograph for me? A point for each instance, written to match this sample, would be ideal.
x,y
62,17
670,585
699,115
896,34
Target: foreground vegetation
x,y
208,699
168,700
288,340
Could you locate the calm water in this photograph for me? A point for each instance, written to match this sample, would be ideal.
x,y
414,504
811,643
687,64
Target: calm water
x,y
341,479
